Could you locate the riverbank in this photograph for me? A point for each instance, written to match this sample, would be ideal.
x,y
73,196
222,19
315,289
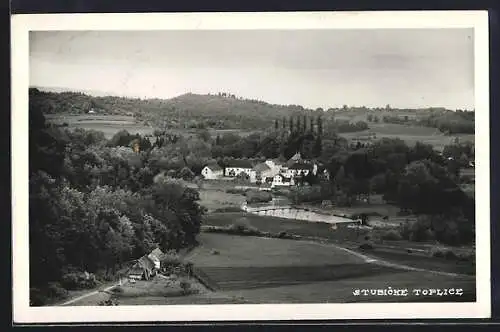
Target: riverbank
x,y
367,240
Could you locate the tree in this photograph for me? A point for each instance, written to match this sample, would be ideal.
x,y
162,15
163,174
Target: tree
x,y
425,187
319,122
317,148
204,135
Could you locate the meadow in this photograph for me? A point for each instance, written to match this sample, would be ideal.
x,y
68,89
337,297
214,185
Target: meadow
x,y
111,124
408,133
290,271
214,199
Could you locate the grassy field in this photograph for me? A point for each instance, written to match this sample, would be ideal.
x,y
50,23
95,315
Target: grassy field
x,y
347,237
111,124
108,124
410,134
214,199
289,271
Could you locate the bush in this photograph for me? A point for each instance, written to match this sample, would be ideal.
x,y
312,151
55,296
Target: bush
x,y
240,229
256,196
449,254
228,209
76,281
37,297
109,302
236,191
366,246
117,290
56,291
282,235
391,235
417,230
185,286
170,259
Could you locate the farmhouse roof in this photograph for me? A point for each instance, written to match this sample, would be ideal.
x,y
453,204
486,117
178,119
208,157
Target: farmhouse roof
x,y
214,167
296,157
145,263
262,167
278,161
239,163
301,166
157,253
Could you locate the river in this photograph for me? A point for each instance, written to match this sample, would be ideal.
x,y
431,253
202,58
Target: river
x,y
281,207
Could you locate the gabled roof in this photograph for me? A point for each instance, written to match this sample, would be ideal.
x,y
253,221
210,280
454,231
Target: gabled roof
x,y
145,263
296,157
301,166
239,163
214,167
262,167
156,254
278,161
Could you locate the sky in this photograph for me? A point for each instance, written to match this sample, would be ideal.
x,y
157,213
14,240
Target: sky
x,y
314,68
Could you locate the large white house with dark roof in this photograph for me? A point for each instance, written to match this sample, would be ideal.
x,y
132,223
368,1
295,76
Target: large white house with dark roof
x,y
212,172
237,166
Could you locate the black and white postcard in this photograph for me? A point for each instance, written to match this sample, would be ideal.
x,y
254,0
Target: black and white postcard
x,y
250,166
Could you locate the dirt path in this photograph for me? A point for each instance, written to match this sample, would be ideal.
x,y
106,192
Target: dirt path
x,y
91,293
377,261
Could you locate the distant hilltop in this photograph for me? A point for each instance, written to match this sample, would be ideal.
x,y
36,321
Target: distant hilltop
x,y
228,111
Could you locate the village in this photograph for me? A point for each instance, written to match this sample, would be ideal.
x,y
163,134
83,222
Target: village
x,y
272,173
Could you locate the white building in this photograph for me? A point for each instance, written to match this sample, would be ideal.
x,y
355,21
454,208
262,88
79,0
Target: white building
x,y
280,180
299,169
237,166
263,171
212,172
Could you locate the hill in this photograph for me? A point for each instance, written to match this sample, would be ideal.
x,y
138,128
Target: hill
x,y
190,110
227,111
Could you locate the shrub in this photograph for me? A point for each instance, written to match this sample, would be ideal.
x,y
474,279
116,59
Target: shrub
x,y
76,280
256,196
283,235
185,286
55,290
109,302
417,230
228,209
170,258
70,281
444,253
366,246
37,297
117,290
391,235
236,191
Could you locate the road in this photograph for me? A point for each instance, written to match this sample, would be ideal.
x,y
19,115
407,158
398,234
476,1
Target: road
x,y
92,293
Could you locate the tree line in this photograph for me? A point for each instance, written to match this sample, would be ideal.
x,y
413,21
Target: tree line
x,y
95,205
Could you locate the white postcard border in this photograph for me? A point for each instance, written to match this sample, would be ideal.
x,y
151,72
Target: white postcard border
x,y
22,24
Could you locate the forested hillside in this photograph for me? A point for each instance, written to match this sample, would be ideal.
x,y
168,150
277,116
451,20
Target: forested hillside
x,y
227,111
